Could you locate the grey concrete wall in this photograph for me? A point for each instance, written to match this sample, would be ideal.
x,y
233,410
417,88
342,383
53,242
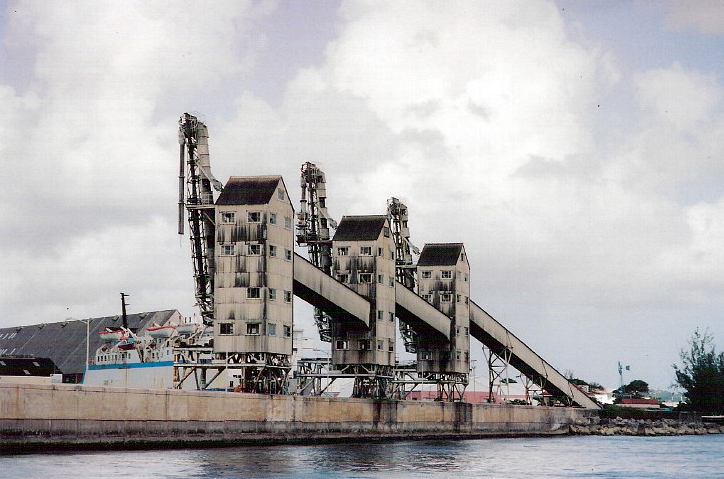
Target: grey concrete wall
x,y
41,415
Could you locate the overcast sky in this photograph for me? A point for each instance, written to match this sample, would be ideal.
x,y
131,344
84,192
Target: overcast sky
x,y
576,148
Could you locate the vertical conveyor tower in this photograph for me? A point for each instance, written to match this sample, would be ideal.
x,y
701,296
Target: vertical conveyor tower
x,y
313,224
404,265
195,172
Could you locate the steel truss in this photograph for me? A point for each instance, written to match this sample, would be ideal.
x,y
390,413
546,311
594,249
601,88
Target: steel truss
x,y
263,373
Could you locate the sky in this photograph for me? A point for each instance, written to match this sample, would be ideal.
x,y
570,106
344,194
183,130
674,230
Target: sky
x,y
575,148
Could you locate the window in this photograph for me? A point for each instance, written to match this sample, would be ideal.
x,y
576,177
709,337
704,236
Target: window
x,y
446,297
467,331
226,328
392,317
392,255
252,328
341,344
424,355
457,298
380,314
364,344
381,278
446,274
343,251
390,345
457,355
462,256
272,294
466,300
380,345
427,274
287,332
343,278
365,250
287,254
228,250
287,296
287,222
427,297
228,217
253,217
457,275
280,193
252,293
272,250
457,330
465,277
386,232
365,277
271,329
380,252
392,282
273,218
253,249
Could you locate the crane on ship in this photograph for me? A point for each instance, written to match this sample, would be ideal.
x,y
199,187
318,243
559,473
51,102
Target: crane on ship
x,y
196,196
313,224
404,265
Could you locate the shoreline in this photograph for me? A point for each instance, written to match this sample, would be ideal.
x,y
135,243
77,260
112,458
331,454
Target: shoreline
x,y
644,427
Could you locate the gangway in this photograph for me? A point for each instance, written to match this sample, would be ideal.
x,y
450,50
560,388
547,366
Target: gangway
x,y
502,342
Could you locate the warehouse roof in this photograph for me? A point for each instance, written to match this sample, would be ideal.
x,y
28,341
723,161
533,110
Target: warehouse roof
x,y
440,254
249,190
65,342
359,228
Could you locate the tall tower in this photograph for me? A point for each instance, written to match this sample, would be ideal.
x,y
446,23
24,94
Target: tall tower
x,y
443,274
253,284
363,255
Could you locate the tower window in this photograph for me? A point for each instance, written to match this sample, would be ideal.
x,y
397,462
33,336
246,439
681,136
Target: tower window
x,y
226,328
447,274
228,250
228,217
343,251
273,218
252,328
287,222
365,277
272,294
253,293
253,217
271,329
365,250
287,254
253,249
287,296
272,250
427,274
280,194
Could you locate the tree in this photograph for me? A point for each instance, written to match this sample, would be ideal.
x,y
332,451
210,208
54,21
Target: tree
x,y
702,374
636,387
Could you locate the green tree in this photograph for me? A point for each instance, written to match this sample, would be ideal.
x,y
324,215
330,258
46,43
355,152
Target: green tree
x,y
636,387
701,374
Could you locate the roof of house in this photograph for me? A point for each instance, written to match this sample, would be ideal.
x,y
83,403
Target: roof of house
x,y
248,190
65,342
639,401
440,254
26,366
360,228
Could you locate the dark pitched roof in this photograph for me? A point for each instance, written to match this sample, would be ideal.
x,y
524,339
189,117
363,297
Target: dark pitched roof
x,y
359,228
26,366
64,342
440,254
248,190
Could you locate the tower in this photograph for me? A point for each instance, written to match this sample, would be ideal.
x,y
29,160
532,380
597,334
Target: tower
x,y
253,284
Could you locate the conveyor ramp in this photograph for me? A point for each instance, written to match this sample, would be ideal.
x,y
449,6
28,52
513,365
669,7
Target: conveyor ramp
x,y
326,293
500,341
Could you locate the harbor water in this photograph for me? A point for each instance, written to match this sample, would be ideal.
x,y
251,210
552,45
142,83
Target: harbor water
x,y
546,457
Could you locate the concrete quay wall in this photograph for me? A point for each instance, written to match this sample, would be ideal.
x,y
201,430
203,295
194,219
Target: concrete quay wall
x,y
60,415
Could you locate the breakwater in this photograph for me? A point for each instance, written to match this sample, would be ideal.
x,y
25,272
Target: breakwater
x,y
59,415
644,427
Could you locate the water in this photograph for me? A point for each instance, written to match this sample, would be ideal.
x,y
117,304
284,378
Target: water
x,y
560,457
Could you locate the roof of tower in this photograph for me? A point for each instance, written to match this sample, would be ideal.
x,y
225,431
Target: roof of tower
x,y
359,228
440,254
248,190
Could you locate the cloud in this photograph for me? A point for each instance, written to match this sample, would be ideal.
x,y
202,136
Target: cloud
x,y
705,16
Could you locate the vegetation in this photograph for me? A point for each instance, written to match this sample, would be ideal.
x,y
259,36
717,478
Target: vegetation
x,y
701,375
636,388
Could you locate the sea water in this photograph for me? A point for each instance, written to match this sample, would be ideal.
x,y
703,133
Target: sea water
x,y
546,457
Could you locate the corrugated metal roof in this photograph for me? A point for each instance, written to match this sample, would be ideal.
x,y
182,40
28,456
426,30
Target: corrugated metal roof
x,y
359,228
440,254
65,342
248,190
